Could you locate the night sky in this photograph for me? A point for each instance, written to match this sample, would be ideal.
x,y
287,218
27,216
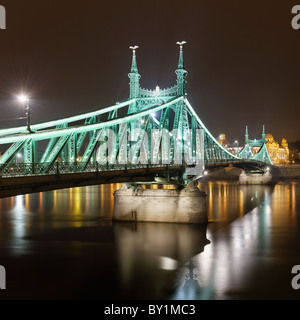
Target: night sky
x,y
243,59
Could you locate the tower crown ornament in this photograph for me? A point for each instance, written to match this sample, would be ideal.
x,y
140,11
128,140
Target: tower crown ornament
x,y
133,48
181,43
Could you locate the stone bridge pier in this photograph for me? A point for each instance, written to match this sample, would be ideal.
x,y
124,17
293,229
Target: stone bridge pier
x,y
269,177
160,205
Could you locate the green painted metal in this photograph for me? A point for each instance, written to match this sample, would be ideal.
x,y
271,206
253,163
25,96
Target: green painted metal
x,y
156,127
44,135
134,80
30,151
12,152
246,136
59,122
82,135
255,142
55,152
263,155
72,148
181,73
51,144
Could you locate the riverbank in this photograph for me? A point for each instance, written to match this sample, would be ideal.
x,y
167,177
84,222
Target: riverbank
x,y
290,172
285,173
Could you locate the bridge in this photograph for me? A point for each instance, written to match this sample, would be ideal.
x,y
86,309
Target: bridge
x,y
153,137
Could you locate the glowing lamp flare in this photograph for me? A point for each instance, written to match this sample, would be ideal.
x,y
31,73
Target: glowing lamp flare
x,y
22,98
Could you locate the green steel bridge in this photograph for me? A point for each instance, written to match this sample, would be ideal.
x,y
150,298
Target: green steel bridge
x,y
154,136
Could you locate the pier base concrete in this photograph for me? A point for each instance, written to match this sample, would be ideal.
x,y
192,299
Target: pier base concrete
x,y
256,178
160,205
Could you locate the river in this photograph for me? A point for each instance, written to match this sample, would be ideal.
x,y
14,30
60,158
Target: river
x,y
63,245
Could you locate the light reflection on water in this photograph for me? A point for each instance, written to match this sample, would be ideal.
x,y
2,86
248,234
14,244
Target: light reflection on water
x,y
252,257
246,250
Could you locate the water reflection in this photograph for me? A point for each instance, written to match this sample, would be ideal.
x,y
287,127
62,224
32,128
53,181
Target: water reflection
x,y
250,228
74,202
150,253
191,288
242,259
230,201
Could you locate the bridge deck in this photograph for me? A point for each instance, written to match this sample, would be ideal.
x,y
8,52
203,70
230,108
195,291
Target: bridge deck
x,y
37,183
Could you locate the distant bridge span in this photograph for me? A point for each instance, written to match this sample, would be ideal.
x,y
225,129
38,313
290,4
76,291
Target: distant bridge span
x,y
246,165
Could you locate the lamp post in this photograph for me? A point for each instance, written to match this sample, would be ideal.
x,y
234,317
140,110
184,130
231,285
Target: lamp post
x,y
25,100
236,149
18,157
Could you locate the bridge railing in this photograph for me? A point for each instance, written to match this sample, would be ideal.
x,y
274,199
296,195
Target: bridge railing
x,y
46,168
224,161
29,169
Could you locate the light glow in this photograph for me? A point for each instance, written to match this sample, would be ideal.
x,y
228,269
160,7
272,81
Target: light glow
x,y
23,98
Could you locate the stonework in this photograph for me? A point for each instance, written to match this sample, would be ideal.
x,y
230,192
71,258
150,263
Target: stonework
x,y
256,178
160,205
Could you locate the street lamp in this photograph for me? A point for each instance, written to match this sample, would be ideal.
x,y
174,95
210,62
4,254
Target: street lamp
x,y
25,100
18,157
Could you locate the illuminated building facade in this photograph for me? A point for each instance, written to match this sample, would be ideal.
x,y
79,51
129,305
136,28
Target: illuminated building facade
x,y
279,153
234,148
223,141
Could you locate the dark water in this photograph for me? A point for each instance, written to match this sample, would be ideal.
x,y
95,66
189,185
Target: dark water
x,y
63,245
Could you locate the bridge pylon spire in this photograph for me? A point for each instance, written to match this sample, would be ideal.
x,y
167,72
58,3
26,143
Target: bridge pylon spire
x,y
181,72
263,133
246,136
134,76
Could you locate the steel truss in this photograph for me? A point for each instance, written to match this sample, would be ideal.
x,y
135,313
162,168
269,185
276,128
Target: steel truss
x,y
152,128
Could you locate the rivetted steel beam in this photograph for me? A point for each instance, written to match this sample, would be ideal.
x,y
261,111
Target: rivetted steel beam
x,y
42,135
54,123
207,131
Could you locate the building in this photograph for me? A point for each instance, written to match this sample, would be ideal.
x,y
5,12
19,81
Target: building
x,y
223,141
234,149
278,153
294,148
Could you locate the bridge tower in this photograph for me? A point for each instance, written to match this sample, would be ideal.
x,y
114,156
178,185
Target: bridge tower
x,y
263,133
181,72
181,205
134,77
246,136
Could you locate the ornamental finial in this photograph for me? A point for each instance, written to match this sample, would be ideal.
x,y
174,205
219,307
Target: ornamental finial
x,y
180,63
134,68
181,43
133,48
